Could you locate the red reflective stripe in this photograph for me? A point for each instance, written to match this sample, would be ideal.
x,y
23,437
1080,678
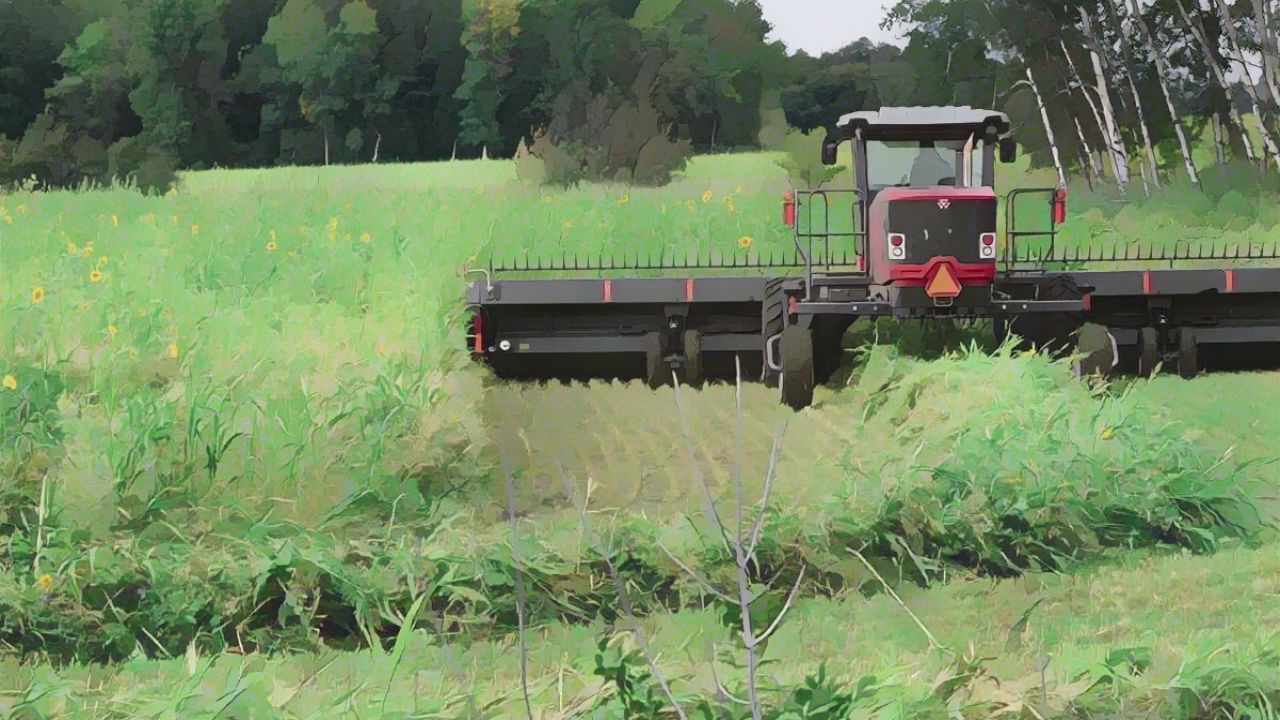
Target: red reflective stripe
x,y
1231,281
608,291
688,290
1146,282
793,305
479,327
1088,301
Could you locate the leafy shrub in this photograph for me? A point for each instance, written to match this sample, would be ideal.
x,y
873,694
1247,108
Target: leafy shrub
x,y
611,136
803,160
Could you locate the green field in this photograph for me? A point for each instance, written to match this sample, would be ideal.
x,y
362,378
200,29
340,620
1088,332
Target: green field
x,y
242,438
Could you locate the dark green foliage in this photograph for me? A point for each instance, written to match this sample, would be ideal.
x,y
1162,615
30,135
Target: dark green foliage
x,y
136,89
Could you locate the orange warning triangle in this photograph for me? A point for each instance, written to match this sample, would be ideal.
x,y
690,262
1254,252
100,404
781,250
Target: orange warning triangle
x,y
943,284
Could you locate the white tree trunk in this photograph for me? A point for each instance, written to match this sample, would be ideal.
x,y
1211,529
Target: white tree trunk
x,y
1048,128
325,132
377,144
1267,42
1152,162
1091,169
1198,32
1162,71
1116,152
1237,54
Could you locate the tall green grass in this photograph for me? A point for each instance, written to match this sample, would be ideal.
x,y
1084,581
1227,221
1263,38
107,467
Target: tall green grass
x,y
242,416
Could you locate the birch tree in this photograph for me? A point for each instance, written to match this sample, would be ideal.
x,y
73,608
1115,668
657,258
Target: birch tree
x,y
1104,117
1197,31
1238,55
1267,44
1048,126
1127,57
1162,73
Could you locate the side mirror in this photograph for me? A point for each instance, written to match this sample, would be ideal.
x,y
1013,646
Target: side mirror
x,y
1008,150
830,151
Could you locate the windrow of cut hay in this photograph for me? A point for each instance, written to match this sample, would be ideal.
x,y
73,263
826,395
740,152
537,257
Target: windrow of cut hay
x,y
1036,472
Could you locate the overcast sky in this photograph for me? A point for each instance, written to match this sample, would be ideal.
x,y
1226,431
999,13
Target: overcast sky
x,y
818,26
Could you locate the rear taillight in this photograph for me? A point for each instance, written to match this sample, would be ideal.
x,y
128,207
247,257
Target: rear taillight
x,y
987,246
789,209
1060,206
477,328
897,246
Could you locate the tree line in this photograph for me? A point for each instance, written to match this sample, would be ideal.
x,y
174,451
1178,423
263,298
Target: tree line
x,y
92,90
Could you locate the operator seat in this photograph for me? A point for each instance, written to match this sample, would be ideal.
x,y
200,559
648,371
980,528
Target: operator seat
x,y
930,170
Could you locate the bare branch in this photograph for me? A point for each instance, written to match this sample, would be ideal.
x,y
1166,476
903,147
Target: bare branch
x,y
522,604
744,586
777,621
708,501
768,491
933,642
706,584
624,598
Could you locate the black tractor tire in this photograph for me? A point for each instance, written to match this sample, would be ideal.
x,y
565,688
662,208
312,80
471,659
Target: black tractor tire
x,y
1188,353
693,368
1052,332
1149,356
797,382
773,319
828,339
657,373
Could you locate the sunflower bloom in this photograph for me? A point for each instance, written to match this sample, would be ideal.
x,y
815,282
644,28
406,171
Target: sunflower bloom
x,y
480,190
95,276
708,196
195,229
271,246
22,209
37,294
173,350
45,582
102,261
366,238
10,382
624,200
1108,433
72,249
88,250
112,330
115,221
745,241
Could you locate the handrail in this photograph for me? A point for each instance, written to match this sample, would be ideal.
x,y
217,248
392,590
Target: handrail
x,y
809,199
1011,234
